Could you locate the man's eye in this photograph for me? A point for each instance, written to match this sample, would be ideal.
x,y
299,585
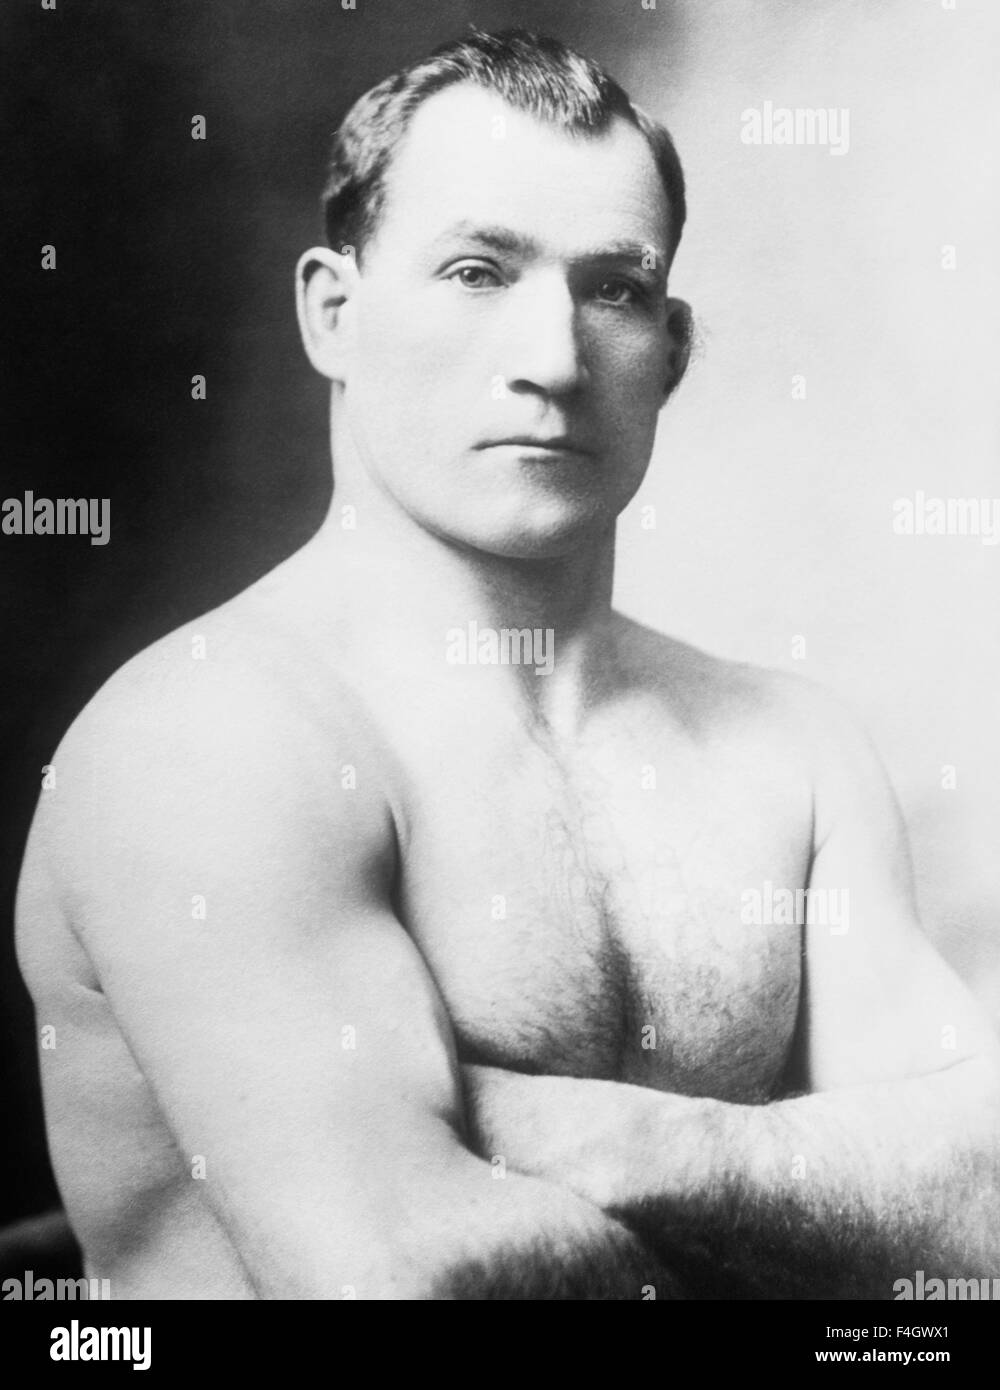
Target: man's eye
x,y
616,291
475,277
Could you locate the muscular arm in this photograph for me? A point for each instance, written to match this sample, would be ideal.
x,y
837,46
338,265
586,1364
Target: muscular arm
x,y
826,1196
233,898
890,1163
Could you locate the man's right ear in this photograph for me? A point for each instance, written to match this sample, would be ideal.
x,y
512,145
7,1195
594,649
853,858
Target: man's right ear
x,y
325,283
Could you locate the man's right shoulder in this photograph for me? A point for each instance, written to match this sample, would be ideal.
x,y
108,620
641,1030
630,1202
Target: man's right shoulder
x,y
200,692
218,732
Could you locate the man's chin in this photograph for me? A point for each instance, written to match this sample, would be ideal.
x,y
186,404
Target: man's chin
x,y
553,540
525,527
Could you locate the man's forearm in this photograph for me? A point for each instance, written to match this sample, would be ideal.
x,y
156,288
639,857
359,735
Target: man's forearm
x,y
611,1263
487,1232
835,1194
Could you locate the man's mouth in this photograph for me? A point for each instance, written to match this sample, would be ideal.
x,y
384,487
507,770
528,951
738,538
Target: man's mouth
x,y
552,443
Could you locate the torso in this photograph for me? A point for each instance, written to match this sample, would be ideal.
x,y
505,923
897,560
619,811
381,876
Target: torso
x,y
593,898
577,901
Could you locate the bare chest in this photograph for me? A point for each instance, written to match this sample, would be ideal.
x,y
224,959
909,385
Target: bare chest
x,y
590,921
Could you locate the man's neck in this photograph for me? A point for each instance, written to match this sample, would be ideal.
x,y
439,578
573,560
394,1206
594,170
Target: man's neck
x,y
430,602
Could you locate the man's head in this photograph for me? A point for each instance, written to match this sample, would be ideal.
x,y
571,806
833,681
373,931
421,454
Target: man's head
x,y
493,312
535,75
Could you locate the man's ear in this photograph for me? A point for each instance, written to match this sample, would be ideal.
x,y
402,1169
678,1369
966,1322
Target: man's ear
x,y
325,283
680,330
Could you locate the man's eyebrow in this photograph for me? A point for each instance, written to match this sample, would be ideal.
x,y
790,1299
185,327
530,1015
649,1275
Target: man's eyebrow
x,y
640,253
495,237
505,239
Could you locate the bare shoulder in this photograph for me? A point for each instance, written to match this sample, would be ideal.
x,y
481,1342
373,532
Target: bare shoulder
x,y
741,706
228,744
246,666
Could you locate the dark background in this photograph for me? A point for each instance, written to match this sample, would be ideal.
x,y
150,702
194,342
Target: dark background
x,y
174,258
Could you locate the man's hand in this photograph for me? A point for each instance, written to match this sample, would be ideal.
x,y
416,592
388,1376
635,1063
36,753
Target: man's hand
x,y
536,1124
584,1134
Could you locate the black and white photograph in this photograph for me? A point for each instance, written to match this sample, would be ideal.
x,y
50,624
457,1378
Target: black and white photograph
x,y
500,552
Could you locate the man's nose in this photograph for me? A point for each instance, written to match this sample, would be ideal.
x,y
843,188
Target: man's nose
x,y
543,350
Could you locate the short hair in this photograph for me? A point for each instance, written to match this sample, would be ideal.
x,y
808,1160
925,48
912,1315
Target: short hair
x,y
537,75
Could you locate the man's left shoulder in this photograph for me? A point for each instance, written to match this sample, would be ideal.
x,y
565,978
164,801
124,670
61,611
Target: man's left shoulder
x,y
739,703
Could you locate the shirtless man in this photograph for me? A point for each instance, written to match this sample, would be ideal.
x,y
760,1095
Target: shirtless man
x,y
377,973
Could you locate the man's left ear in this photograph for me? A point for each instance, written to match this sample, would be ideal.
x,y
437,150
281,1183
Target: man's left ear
x,y
680,327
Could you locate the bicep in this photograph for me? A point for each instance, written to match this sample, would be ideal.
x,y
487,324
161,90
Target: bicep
x,y
880,1003
283,1019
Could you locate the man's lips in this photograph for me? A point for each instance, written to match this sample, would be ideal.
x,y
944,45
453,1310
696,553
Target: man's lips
x,y
553,443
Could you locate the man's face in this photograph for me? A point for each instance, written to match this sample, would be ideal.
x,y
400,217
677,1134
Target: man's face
x,y
515,290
